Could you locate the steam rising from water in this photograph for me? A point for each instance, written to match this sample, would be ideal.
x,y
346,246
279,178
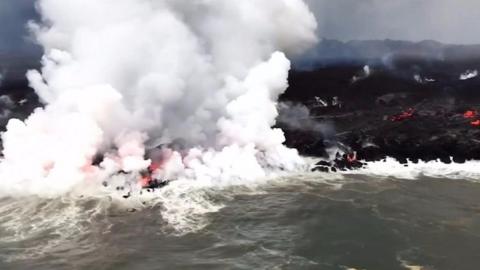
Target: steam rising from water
x,y
119,76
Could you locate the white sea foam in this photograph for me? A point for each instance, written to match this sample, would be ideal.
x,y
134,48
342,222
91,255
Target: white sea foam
x,y
469,170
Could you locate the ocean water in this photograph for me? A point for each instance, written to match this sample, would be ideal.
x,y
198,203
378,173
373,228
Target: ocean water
x,y
313,221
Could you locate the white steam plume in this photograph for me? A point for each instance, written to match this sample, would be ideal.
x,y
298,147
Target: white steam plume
x,y
121,75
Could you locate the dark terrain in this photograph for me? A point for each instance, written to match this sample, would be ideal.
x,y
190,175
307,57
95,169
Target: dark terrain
x,y
412,106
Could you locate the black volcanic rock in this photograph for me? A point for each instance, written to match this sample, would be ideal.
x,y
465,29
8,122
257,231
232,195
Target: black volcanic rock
x,y
369,115
392,112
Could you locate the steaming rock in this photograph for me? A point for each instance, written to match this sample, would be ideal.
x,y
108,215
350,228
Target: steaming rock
x,y
375,124
469,74
364,74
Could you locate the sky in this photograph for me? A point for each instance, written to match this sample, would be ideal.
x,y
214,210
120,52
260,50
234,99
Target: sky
x,y
448,21
14,15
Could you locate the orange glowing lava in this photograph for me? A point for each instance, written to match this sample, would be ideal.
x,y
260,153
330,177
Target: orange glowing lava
x,y
154,166
470,114
352,157
145,180
403,116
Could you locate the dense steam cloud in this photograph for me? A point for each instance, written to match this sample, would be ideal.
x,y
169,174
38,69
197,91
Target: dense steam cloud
x,y
120,76
442,20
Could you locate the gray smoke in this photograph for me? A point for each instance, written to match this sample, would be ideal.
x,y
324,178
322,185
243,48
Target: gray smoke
x,y
297,116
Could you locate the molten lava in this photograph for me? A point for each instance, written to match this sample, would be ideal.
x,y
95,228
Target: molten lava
x,y
154,166
352,157
470,114
403,116
145,180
